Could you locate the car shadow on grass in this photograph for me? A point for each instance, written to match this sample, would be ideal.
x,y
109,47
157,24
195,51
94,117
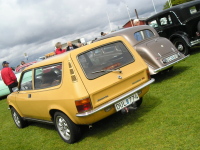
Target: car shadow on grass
x,y
3,97
118,120
166,75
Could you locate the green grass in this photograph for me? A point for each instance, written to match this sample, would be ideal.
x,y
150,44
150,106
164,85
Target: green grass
x,y
169,118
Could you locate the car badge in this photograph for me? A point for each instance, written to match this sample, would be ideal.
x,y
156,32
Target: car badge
x,y
119,77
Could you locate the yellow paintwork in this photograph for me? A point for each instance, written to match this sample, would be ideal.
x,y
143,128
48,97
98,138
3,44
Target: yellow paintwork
x,y
62,97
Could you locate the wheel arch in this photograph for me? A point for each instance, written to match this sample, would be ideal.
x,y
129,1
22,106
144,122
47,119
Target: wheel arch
x,y
53,111
181,35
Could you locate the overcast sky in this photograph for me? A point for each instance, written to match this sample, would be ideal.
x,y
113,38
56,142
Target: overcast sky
x,y
34,26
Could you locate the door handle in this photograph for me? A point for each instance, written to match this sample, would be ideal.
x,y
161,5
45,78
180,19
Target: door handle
x,y
29,95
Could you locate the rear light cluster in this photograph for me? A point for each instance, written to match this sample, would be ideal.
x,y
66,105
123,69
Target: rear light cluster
x,y
83,105
148,74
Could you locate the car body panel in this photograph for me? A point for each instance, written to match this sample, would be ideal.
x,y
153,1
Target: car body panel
x,y
180,21
152,49
104,90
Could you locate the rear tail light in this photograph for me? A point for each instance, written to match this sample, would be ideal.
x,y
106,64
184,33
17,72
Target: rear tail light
x,y
83,105
148,74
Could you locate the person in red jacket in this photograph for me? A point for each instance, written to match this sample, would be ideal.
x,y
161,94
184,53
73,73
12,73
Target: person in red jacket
x,y
8,76
59,49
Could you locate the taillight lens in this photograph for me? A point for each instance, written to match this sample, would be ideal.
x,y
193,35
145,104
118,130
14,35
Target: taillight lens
x,y
83,105
148,74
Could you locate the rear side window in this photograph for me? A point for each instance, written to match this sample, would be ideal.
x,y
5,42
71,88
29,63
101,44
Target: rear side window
x,y
47,76
193,10
105,59
143,34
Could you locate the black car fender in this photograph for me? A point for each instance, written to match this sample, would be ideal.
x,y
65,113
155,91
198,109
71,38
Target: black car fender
x,y
181,35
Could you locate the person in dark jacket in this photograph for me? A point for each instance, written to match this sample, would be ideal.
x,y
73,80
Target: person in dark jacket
x,y
8,76
70,46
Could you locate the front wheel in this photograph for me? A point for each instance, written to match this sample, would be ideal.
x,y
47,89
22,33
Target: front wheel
x,y
68,131
20,123
181,45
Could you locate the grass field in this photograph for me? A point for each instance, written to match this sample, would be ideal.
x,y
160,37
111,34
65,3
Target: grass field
x,y
169,118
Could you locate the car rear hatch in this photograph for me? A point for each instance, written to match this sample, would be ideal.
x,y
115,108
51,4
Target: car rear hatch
x,y
109,69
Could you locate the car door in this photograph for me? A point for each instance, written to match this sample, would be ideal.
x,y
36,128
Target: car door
x,y
24,101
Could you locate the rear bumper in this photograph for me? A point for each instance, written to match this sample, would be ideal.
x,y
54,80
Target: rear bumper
x,y
129,93
168,66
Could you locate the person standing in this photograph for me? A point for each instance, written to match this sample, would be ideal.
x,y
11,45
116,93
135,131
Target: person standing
x,y
70,46
59,49
8,76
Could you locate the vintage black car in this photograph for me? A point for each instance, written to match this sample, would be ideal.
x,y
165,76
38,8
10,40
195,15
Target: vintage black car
x,y
180,24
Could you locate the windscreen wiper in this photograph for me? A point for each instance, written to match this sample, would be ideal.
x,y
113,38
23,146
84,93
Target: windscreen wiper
x,y
108,70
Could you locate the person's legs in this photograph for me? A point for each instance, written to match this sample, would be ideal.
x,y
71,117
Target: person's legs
x,y
15,84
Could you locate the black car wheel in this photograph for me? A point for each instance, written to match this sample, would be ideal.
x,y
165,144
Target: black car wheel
x,y
68,131
20,123
181,45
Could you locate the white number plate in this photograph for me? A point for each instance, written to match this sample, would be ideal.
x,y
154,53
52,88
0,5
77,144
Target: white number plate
x,y
170,58
122,104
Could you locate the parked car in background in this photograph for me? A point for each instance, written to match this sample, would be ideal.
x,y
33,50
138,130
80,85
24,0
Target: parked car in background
x,y
180,24
4,90
158,52
22,67
81,87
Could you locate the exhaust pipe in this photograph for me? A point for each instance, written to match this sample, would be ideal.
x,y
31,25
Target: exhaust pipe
x,y
90,127
129,108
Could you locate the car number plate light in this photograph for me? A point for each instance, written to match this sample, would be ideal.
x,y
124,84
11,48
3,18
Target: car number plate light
x,y
126,102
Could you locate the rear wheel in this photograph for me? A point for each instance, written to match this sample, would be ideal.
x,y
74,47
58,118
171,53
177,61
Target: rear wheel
x,y
181,45
20,123
139,102
68,131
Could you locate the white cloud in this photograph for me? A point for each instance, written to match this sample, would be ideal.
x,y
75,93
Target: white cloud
x,y
33,26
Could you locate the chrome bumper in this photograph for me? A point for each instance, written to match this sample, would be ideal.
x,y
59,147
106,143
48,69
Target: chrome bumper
x,y
169,65
115,100
195,42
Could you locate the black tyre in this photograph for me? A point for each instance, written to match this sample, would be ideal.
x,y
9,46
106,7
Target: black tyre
x,y
139,102
68,131
19,121
181,46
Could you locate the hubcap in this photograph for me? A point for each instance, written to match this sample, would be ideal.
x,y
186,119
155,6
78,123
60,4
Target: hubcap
x,y
16,118
180,47
63,127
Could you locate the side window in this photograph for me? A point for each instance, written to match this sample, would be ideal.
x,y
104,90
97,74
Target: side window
x,y
153,23
26,82
143,34
47,76
193,10
166,20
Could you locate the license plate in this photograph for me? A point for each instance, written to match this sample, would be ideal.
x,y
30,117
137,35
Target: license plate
x,y
170,58
126,102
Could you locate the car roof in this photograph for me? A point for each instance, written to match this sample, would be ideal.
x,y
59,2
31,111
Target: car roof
x,y
128,32
175,9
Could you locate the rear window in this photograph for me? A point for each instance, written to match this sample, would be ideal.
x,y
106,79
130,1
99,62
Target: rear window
x,y
143,34
105,59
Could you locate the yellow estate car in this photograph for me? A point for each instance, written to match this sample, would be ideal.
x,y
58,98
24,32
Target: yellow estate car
x,y
81,87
